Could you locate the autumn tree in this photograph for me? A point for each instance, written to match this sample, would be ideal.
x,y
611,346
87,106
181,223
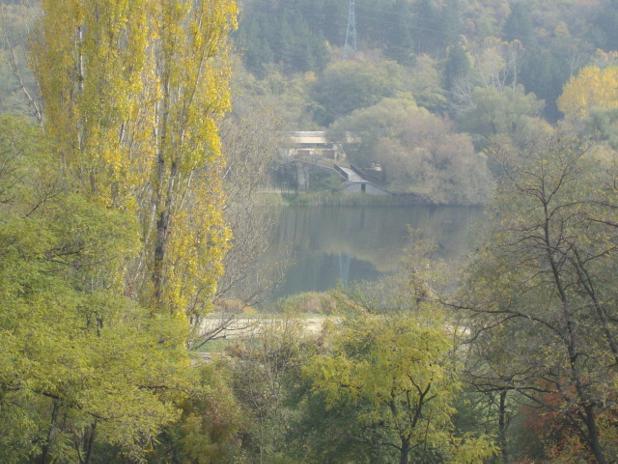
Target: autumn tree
x,y
350,85
132,95
112,229
592,88
541,286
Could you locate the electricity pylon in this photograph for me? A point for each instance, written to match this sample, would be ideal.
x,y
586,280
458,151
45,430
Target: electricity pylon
x,y
351,36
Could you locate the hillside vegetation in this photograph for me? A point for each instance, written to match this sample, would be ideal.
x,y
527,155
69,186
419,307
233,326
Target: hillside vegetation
x,y
486,69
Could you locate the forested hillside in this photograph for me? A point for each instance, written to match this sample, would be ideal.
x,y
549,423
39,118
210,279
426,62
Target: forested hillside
x,y
485,68
541,43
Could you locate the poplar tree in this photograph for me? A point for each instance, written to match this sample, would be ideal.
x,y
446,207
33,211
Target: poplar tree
x,y
83,369
133,92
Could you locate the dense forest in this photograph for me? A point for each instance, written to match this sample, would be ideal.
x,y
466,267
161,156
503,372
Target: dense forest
x,y
138,142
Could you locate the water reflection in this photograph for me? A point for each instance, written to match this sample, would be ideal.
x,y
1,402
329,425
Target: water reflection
x,y
340,245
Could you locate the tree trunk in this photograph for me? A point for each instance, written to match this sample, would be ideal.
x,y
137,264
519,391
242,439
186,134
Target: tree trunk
x,y
593,435
161,214
50,433
90,442
572,347
404,451
502,425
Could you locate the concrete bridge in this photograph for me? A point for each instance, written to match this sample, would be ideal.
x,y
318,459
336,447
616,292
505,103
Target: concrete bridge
x,y
354,182
315,149
313,144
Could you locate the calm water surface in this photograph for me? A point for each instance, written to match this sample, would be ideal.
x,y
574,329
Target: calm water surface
x,y
327,246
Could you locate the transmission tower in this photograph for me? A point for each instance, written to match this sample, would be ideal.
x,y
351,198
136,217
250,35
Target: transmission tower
x,y
351,37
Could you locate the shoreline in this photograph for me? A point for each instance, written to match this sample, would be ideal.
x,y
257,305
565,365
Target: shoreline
x,y
311,199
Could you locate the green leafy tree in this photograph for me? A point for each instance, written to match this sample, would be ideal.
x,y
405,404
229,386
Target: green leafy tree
x,y
607,26
399,42
419,152
81,365
97,239
208,430
263,368
544,71
425,84
349,85
518,25
394,378
287,34
495,111
457,66
435,25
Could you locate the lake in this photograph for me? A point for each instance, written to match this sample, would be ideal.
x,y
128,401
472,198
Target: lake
x,y
339,245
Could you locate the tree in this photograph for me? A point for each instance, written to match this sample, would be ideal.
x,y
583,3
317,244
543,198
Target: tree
x,y
286,34
457,66
426,25
82,366
350,85
592,89
607,26
518,25
604,125
132,95
425,83
498,380
263,367
399,44
493,111
16,81
395,377
209,428
541,284
113,234
544,72
250,141
419,152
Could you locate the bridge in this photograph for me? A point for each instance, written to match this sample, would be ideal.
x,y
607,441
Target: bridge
x,y
315,144
314,149
354,182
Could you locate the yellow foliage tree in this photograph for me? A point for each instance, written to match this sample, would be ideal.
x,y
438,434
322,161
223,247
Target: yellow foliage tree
x,y
593,87
133,92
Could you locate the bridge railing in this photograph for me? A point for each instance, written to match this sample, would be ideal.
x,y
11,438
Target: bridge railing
x,y
342,172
